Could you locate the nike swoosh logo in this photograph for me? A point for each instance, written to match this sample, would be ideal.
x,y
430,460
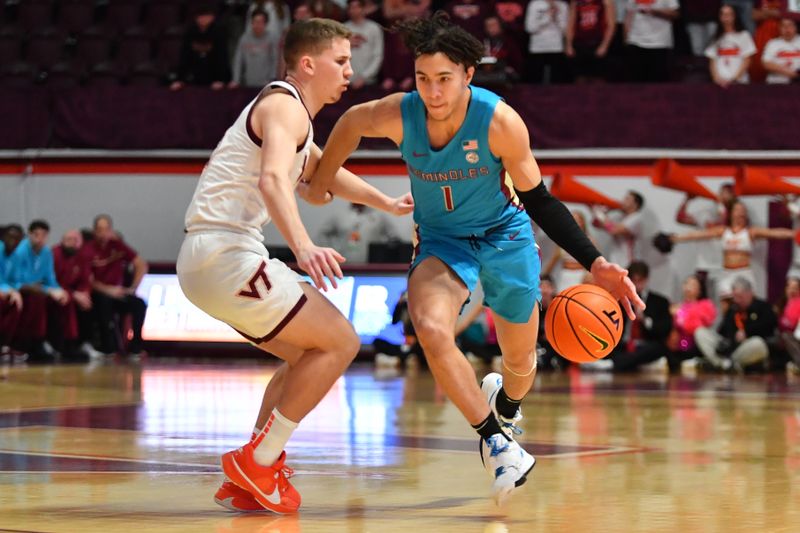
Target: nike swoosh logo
x,y
275,496
513,235
602,342
423,154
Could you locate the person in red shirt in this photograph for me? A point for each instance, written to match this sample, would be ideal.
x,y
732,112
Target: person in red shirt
x,y
71,324
590,29
109,257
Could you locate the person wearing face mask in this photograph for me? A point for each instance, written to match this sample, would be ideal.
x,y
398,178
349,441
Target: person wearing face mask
x,y
72,329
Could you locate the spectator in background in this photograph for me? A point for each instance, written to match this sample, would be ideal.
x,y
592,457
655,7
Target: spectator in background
x,y
546,22
10,298
730,51
741,339
469,14
627,232
278,16
302,12
74,331
768,18
204,55
737,246
502,60
352,233
695,311
32,273
781,56
404,9
648,34
109,256
644,340
547,357
392,355
366,46
397,71
512,16
701,22
325,9
256,61
590,29
789,312
745,9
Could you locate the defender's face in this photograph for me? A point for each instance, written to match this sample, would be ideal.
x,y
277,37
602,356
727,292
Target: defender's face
x,y
333,69
441,84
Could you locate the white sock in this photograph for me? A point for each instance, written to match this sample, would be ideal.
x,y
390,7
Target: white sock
x,y
271,441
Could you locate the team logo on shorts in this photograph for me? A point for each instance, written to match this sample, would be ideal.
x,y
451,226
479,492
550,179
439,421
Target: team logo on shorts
x,y
472,157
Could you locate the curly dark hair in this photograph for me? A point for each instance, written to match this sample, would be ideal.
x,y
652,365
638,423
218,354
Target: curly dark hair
x,y
438,34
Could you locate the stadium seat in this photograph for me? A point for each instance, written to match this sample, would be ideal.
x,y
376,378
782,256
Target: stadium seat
x,y
17,75
45,48
63,75
123,14
93,47
75,15
134,48
163,14
34,14
10,45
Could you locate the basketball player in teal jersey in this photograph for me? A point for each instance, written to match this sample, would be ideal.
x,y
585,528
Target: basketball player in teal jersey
x,y
458,141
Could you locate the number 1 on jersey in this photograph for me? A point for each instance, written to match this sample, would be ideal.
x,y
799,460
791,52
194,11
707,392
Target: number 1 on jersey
x,y
447,191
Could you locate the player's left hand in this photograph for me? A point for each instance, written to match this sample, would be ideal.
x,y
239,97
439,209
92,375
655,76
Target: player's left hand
x,y
614,279
307,193
402,205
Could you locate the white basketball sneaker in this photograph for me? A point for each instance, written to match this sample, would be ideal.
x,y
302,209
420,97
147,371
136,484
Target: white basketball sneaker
x,y
508,463
491,385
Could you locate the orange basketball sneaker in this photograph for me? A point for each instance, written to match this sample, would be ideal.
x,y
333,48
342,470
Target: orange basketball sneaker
x,y
239,500
267,484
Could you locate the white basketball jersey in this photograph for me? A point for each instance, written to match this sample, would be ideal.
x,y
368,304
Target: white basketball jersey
x,y
227,196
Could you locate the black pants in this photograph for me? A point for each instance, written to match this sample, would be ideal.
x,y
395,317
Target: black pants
x,y
648,64
108,310
645,352
547,68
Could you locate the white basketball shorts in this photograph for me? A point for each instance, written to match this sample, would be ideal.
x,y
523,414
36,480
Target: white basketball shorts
x,y
231,277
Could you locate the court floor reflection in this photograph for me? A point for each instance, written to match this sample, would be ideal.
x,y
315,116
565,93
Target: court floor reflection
x,y
117,446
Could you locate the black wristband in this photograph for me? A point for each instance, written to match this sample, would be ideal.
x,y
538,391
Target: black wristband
x,y
558,223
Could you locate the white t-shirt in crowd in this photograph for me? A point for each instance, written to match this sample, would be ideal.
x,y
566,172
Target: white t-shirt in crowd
x,y
546,31
730,51
650,31
787,53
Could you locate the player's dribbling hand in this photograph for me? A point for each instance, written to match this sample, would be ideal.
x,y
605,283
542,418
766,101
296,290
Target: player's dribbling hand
x,y
614,279
320,263
402,205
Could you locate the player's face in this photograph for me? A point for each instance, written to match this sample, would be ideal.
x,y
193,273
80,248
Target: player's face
x,y
333,69
441,84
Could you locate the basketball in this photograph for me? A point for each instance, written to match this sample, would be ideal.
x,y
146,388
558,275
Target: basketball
x,y
583,323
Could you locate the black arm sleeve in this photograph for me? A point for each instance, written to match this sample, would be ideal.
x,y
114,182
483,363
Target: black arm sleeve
x,y
557,222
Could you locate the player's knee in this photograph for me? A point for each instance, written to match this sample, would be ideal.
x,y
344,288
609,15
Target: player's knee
x,y
349,345
433,335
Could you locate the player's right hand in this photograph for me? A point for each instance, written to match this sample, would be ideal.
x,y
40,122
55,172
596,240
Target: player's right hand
x,y
320,263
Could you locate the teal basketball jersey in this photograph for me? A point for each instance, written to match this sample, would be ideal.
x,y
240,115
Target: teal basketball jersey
x,y
460,189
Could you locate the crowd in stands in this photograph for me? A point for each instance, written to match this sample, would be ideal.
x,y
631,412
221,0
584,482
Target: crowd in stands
x,y
74,300
237,43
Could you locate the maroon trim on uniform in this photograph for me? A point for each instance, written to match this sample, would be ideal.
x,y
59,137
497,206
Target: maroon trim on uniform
x,y
250,132
283,323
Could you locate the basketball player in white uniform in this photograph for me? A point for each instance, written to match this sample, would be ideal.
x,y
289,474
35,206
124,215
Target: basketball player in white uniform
x,y
224,268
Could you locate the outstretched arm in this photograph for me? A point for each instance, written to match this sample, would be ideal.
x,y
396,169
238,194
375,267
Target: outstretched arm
x,y
509,140
772,233
700,235
376,118
352,188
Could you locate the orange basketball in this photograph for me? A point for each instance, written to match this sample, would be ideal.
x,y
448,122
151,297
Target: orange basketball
x,y
583,323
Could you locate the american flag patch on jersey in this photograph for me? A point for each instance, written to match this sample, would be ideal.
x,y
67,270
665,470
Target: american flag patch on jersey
x,y
471,144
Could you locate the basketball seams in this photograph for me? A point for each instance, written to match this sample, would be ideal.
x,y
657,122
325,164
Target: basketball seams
x,y
592,312
553,309
575,333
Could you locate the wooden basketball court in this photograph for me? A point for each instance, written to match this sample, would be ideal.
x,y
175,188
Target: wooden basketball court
x,y
135,447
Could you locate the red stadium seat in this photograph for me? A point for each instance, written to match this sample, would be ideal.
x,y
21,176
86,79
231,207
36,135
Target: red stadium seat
x,y
45,48
74,16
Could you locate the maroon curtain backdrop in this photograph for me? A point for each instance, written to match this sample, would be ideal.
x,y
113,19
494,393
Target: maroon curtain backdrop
x,y
614,116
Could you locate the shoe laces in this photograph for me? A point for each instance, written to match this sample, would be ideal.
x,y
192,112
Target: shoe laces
x,y
515,429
